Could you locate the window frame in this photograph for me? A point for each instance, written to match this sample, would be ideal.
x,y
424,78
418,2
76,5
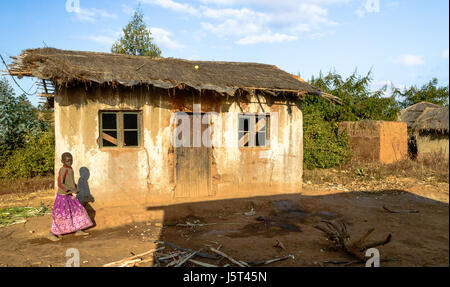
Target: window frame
x,y
120,129
252,130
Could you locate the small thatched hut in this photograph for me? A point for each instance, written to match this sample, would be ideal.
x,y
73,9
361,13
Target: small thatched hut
x,y
431,131
411,113
120,115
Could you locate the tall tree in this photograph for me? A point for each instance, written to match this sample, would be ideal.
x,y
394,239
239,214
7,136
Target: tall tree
x,y
136,39
429,92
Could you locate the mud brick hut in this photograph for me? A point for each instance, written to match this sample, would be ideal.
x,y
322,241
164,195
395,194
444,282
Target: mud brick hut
x,y
431,131
117,115
377,141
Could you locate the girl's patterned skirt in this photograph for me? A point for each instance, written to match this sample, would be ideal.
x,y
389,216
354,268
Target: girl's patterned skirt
x,y
68,215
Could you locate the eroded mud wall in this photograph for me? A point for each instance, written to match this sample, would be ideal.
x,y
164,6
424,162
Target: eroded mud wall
x,y
146,174
378,141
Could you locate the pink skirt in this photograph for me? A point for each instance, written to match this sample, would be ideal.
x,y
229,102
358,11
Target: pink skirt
x,y
68,215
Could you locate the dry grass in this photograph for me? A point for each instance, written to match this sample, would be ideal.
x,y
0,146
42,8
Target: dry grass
x,y
431,168
30,185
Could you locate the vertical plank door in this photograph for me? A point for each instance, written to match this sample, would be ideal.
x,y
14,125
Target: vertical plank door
x,y
193,163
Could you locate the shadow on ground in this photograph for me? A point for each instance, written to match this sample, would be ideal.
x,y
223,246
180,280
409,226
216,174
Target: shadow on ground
x,y
249,229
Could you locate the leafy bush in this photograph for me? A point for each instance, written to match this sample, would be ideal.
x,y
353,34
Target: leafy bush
x,y
323,146
35,158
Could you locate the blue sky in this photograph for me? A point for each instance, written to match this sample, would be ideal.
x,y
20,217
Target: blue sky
x,y
404,42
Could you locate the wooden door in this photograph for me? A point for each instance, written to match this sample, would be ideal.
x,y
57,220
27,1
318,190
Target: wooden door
x,y
193,162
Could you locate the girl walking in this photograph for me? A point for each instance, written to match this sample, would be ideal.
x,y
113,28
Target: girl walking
x,y
68,215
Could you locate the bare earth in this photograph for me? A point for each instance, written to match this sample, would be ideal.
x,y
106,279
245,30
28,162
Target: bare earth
x,y
418,239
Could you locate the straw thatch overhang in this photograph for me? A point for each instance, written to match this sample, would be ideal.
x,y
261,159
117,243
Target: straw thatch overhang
x,y
412,113
432,120
64,68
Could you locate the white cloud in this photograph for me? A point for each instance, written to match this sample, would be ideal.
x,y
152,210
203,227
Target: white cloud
x,y
410,60
162,39
266,38
104,40
360,13
393,4
172,5
230,18
127,10
370,6
107,40
445,54
86,14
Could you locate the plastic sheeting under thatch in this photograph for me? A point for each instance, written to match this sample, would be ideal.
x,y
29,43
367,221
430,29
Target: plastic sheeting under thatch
x,y
432,120
63,67
412,113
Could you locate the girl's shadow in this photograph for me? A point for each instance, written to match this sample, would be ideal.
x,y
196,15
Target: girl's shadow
x,y
85,196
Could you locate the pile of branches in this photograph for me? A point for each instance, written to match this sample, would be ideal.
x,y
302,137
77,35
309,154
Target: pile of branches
x,y
338,233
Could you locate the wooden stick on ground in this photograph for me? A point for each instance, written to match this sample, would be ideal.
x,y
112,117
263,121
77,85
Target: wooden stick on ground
x,y
203,264
204,255
134,261
227,257
400,211
171,256
270,261
185,259
122,261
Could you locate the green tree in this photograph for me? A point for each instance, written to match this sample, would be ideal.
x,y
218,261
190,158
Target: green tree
x,y
429,92
18,118
136,39
35,158
358,101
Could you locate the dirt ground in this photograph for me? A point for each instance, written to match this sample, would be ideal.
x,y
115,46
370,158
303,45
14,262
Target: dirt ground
x,y
418,239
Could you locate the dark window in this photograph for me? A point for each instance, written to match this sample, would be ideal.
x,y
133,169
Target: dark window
x,y
120,129
109,129
253,130
131,129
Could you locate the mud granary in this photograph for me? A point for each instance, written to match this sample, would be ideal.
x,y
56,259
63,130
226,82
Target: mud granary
x,y
119,116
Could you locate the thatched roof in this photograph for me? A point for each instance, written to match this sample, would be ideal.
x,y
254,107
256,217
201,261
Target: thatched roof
x,y
64,67
432,120
411,113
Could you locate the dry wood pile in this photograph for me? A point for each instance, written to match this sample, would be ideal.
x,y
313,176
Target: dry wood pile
x,y
180,256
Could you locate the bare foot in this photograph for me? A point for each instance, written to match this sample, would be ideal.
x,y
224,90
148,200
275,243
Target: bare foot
x,y
53,237
81,233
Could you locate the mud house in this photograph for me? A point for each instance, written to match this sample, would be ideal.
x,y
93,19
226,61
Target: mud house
x,y
126,119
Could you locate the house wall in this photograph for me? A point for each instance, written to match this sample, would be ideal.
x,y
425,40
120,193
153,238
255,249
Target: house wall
x,y
145,175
